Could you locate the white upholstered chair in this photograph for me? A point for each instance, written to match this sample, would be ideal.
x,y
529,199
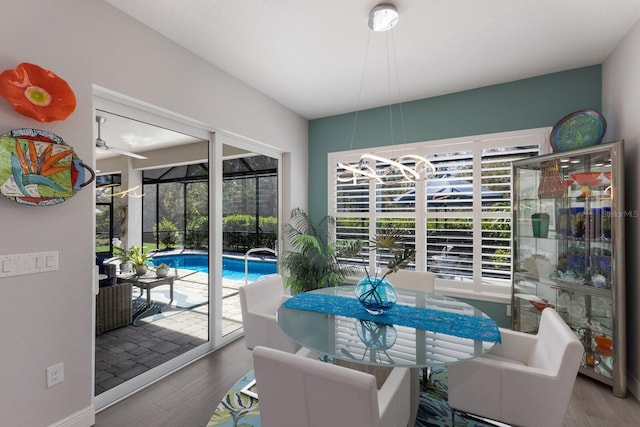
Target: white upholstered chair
x,y
413,280
296,391
259,302
526,381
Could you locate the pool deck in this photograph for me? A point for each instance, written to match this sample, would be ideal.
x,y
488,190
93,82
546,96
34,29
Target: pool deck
x,y
126,352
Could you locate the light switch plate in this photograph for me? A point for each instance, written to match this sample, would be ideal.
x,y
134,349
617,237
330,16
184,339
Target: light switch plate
x,y
19,264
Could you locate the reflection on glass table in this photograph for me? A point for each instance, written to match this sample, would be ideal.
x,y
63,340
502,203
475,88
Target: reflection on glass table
x,y
375,343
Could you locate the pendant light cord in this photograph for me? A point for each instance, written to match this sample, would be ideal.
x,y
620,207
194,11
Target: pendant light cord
x,y
364,67
422,168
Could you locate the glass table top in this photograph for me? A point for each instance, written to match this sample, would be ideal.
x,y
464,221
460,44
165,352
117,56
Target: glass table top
x,y
373,343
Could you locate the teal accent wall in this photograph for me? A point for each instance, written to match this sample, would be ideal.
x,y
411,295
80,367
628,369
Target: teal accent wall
x,y
523,104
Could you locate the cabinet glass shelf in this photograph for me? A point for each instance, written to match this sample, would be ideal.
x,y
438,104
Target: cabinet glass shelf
x,y
568,252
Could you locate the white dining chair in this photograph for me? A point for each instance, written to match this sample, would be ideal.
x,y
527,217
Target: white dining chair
x,y
412,280
527,380
296,391
259,302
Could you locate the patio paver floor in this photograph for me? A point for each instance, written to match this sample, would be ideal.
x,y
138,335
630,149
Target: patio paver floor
x,y
126,352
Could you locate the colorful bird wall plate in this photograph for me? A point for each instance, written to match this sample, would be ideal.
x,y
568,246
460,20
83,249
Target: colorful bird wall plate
x,y
37,93
38,168
579,129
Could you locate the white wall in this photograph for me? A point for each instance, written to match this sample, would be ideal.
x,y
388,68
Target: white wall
x,y
621,108
46,318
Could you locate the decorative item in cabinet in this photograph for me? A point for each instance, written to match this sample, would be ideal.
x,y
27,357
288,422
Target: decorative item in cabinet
x,y
576,265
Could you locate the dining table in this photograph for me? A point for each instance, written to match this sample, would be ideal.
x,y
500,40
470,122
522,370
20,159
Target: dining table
x,y
422,330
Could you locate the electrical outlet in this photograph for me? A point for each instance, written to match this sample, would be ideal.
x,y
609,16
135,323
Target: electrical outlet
x,y
55,374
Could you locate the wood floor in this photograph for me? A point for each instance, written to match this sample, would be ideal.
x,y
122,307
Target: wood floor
x,y
186,398
189,397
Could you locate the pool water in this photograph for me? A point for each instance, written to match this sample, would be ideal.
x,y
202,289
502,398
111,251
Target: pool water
x,y
232,268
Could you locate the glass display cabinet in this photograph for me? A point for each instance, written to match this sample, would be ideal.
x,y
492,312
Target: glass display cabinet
x,y
568,248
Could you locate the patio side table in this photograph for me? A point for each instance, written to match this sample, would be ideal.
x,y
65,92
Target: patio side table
x,y
148,282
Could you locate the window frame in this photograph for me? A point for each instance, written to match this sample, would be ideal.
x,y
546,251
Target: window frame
x,y
476,288
112,184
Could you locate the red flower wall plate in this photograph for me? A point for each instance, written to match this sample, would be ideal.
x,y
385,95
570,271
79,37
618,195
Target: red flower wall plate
x,y
37,93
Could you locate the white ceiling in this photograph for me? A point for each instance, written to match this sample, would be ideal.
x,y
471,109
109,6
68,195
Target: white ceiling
x,y
135,136
309,55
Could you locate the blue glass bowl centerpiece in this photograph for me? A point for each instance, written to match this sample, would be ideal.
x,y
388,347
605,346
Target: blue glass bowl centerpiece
x,y
377,295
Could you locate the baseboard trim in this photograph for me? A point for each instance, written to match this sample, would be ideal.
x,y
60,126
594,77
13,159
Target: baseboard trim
x,y
478,418
633,385
83,418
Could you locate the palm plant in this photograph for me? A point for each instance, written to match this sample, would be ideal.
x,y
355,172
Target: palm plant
x,y
391,240
314,263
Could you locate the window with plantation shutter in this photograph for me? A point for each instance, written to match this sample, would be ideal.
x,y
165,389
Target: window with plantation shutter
x,y
459,220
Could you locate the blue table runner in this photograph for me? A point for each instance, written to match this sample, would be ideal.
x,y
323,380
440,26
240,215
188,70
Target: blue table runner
x,y
459,325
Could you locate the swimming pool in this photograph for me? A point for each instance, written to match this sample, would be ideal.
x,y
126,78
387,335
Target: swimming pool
x,y
232,267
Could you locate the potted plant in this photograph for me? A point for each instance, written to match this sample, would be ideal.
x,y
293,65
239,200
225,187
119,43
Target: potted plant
x,y
123,254
313,264
374,291
162,270
139,259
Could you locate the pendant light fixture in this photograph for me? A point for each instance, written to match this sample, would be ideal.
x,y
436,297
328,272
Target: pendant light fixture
x,y
384,17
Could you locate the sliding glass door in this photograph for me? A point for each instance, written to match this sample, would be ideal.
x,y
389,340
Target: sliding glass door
x,y
152,194
249,228
167,204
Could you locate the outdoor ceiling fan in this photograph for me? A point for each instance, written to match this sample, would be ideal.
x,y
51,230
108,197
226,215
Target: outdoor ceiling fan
x,y
101,143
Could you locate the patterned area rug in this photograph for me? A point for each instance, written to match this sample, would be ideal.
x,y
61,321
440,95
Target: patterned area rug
x,y
238,409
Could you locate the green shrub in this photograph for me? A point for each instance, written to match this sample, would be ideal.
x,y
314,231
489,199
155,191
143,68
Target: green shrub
x,y
197,235
166,233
